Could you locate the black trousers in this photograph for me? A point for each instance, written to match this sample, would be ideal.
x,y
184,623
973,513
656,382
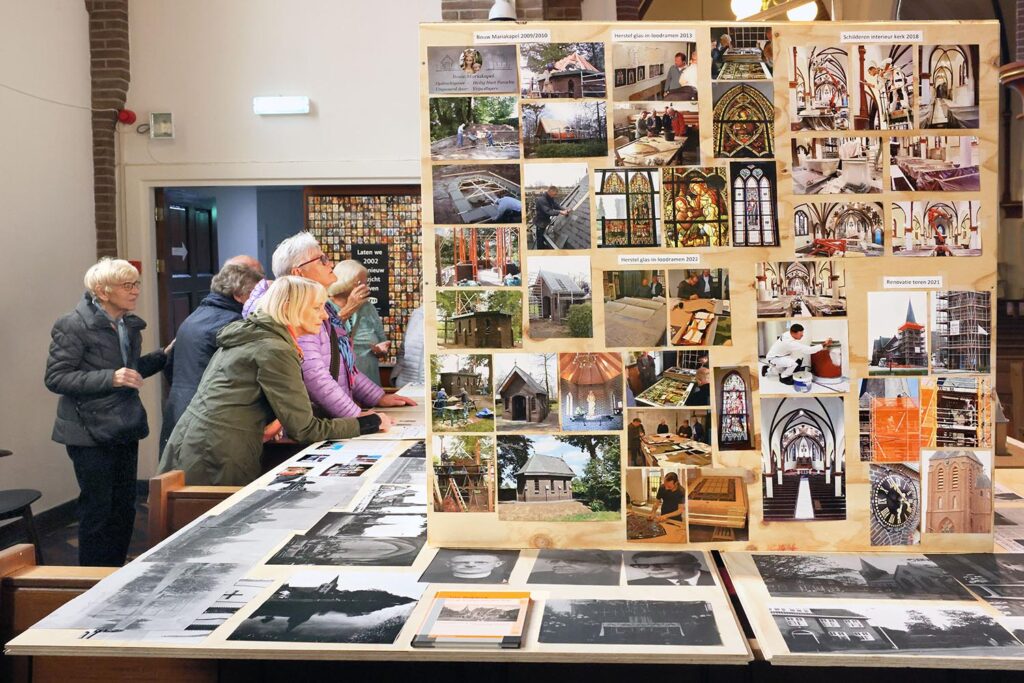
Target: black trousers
x,y
106,504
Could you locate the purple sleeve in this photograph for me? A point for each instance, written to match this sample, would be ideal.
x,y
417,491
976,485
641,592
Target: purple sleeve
x,y
258,291
366,391
316,374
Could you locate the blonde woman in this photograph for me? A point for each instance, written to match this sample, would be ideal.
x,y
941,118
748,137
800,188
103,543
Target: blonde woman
x,y
255,376
96,365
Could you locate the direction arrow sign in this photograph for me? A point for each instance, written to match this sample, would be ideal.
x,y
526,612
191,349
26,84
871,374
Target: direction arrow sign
x,y
180,251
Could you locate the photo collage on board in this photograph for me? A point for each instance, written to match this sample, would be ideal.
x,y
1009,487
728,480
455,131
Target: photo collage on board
x,y
575,376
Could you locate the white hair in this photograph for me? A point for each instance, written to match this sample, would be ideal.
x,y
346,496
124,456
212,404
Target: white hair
x,y
291,252
348,272
108,273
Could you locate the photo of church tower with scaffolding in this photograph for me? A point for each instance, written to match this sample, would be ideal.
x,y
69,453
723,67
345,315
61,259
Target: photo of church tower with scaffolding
x,y
899,351
962,331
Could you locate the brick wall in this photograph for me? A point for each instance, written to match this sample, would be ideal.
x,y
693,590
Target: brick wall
x,y
628,10
108,47
567,10
1020,30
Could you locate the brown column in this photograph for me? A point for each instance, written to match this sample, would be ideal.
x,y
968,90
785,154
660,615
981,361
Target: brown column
x,y
109,67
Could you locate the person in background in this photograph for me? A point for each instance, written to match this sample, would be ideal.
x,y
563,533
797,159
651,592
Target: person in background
x,y
364,326
96,364
254,377
718,52
684,430
642,124
700,395
657,289
663,427
460,134
196,340
699,433
634,433
510,210
688,78
248,262
688,289
409,368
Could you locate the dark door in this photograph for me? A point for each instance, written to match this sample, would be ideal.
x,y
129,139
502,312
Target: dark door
x,y
186,237
518,407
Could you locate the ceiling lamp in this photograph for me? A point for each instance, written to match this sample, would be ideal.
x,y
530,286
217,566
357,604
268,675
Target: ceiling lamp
x,y
805,12
745,8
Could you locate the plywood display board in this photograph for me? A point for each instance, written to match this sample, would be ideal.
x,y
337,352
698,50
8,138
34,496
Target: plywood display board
x,y
633,325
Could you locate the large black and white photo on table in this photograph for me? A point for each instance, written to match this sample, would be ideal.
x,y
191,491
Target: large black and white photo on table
x,y
998,579
896,629
359,551
327,607
667,568
897,577
293,508
354,524
394,499
211,544
241,594
577,567
471,565
629,622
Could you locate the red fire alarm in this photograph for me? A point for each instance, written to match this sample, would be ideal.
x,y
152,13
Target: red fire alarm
x,y
137,264
126,116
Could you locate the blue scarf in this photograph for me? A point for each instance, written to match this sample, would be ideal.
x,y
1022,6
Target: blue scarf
x,y
344,342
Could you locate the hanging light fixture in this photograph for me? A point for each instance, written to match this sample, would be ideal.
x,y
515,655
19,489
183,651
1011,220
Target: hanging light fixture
x,y
745,8
806,12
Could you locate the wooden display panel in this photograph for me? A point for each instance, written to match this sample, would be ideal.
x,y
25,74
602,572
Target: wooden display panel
x,y
849,528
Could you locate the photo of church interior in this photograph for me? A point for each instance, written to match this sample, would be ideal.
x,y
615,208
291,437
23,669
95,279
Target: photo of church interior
x,y
949,86
936,228
896,339
748,56
837,165
627,207
590,391
934,164
735,408
664,378
803,452
651,65
819,94
846,229
645,141
961,331
883,96
822,371
889,411
956,412
700,311
642,484
477,257
959,490
670,435
744,120
797,289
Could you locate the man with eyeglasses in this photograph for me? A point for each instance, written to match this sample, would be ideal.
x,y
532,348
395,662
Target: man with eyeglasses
x,y
667,569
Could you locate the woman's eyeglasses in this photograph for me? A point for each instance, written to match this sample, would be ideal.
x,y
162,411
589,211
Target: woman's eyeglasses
x,y
322,258
129,286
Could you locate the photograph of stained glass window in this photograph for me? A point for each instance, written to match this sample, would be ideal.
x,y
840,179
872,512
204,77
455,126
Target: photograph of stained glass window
x,y
744,120
755,221
627,207
696,212
734,418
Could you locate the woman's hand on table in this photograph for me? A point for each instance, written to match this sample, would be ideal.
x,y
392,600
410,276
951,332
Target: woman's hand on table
x,y
394,401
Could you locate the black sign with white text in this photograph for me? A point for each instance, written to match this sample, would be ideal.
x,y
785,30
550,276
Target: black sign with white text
x,y
375,258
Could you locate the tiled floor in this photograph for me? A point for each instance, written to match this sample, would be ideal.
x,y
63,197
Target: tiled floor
x,y
60,546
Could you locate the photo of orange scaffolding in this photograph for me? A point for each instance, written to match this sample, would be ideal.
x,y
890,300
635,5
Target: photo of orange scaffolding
x,y
956,412
890,420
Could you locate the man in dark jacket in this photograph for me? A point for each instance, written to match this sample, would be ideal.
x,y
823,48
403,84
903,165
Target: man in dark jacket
x,y
546,208
96,365
197,338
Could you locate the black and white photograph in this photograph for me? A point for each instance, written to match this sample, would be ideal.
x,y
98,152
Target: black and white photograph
x,y
667,568
350,551
147,597
1009,529
628,622
241,594
314,457
961,631
884,577
296,507
452,565
352,468
577,567
407,470
394,499
327,607
371,526
998,579
208,543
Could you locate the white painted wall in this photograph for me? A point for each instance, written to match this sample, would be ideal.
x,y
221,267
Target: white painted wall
x,y
47,225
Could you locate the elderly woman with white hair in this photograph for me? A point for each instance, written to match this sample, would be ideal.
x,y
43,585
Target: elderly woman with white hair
x,y
365,329
254,377
97,367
